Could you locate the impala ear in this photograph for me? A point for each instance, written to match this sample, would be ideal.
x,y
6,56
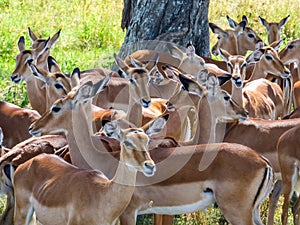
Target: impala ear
x,y
136,63
84,92
124,68
231,22
264,23
202,77
54,39
75,78
112,129
21,43
224,78
32,36
175,51
283,22
38,72
53,66
276,44
224,54
100,85
156,125
191,85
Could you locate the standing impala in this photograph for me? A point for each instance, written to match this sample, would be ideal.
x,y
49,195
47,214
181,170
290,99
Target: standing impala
x,y
105,199
260,97
290,55
274,28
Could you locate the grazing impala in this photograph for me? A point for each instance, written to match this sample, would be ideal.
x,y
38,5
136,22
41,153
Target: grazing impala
x,y
274,28
106,199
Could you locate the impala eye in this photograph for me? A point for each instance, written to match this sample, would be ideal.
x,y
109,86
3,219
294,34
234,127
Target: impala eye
x,y
229,64
251,35
244,65
226,98
30,60
269,57
58,86
133,81
55,109
290,46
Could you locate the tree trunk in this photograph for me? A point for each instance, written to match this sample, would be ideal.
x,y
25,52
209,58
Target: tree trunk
x,y
150,24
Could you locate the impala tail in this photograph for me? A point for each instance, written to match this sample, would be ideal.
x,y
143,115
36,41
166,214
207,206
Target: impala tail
x,y
263,191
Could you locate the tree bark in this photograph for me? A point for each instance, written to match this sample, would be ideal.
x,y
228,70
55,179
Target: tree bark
x,y
149,24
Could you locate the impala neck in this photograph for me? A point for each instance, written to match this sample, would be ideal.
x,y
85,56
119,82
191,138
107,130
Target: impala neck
x,y
85,152
206,129
258,72
134,112
123,182
237,94
36,93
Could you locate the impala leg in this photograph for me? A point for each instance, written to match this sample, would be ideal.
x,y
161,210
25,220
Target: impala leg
x,y
295,211
157,219
167,219
273,199
285,209
8,214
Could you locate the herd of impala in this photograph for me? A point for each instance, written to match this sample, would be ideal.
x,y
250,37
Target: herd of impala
x,y
201,131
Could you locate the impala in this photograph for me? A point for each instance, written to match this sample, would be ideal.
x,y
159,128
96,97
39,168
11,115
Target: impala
x,y
288,157
212,183
51,144
14,122
237,41
248,39
38,47
105,199
260,97
274,28
60,118
290,55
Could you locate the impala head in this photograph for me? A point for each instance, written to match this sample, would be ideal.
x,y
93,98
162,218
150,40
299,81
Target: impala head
x,y
139,82
59,119
22,70
268,60
181,95
274,28
155,76
57,84
248,39
290,53
190,62
222,106
38,43
236,66
227,39
135,143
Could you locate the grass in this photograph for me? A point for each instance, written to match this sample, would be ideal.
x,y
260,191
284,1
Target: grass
x,y
91,33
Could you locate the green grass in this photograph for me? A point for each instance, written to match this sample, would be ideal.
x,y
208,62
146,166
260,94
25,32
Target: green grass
x,y
91,33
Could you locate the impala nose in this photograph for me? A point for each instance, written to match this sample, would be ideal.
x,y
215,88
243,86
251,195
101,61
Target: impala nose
x,y
237,81
146,103
16,79
150,168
